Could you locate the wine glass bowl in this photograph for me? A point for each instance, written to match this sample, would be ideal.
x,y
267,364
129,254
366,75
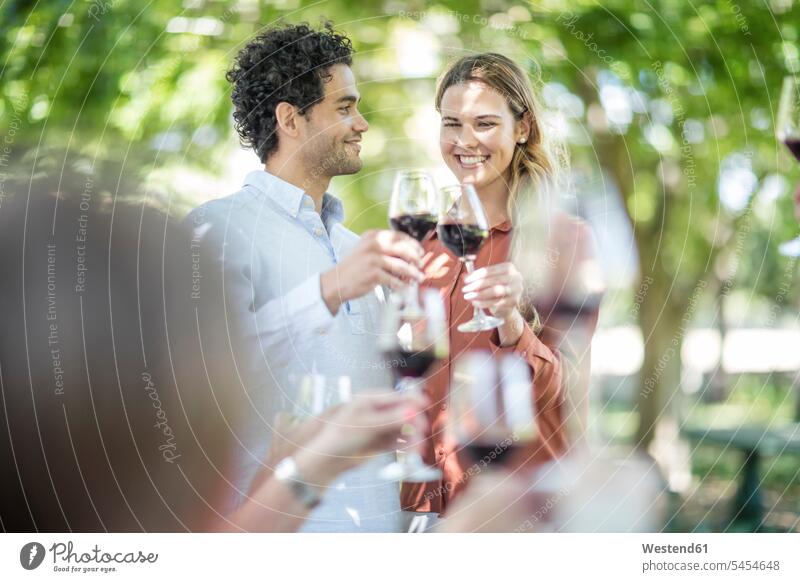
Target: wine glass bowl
x,y
787,130
491,406
316,393
463,229
412,210
412,206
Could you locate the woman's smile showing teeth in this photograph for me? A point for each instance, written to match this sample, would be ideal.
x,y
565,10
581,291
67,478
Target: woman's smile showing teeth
x,y
471,161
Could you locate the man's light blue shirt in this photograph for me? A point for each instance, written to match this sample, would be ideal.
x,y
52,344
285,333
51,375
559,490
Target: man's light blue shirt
x,y
273,246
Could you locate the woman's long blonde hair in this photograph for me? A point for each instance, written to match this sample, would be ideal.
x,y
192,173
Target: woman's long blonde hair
x,y
533,162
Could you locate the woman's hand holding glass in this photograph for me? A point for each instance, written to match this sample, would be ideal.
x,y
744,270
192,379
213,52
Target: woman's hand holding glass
x,y
497,288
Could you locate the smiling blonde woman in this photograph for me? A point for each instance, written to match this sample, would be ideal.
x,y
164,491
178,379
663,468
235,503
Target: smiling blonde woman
x,y
491,136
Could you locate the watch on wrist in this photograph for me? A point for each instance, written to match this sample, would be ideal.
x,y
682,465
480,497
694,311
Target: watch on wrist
x,y
287,472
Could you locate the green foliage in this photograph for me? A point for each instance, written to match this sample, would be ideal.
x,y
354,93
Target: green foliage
x,y
144,84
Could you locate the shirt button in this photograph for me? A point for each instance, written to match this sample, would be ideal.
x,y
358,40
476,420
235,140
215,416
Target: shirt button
x,y
308,204
318,231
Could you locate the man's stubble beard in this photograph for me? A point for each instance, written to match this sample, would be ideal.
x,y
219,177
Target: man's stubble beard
x,y
328,158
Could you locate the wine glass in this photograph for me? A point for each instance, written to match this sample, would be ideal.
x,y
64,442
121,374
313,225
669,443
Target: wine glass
x,y
787,130
311,396
412,210
491,406
317,393
556,249
412,344
463,229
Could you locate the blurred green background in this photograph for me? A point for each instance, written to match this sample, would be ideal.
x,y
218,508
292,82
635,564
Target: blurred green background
x,y
668,110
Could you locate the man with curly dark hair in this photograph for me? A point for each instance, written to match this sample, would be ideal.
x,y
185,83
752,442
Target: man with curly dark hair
x,y
282,72
300,288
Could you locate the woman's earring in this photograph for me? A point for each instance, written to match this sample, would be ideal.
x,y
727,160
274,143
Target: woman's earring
x,y
523,140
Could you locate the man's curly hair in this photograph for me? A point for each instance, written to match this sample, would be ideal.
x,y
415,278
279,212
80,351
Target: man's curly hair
x,y
289,64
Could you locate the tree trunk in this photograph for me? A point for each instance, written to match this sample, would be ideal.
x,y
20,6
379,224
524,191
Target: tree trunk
x,y
668,304
663,320
718,383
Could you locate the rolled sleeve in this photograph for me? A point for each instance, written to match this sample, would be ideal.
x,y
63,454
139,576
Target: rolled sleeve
x,y
527,345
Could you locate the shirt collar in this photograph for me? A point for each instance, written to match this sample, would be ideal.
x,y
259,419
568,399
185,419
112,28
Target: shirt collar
x,y
290,197
504,226
332,208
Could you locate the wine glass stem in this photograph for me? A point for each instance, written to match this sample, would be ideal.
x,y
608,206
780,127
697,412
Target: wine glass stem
x,y
413,439
410,385
477,313
412,296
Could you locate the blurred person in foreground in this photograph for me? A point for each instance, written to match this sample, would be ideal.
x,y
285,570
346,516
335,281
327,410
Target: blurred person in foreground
x,y
579,494
306,288
120,394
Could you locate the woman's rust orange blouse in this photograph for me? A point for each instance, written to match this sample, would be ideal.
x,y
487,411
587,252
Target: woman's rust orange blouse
x,y
446,273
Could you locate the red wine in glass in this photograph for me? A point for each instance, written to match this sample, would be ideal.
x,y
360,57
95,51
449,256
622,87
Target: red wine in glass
x,y
418,226
463,240
410,364
793,143
497,455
